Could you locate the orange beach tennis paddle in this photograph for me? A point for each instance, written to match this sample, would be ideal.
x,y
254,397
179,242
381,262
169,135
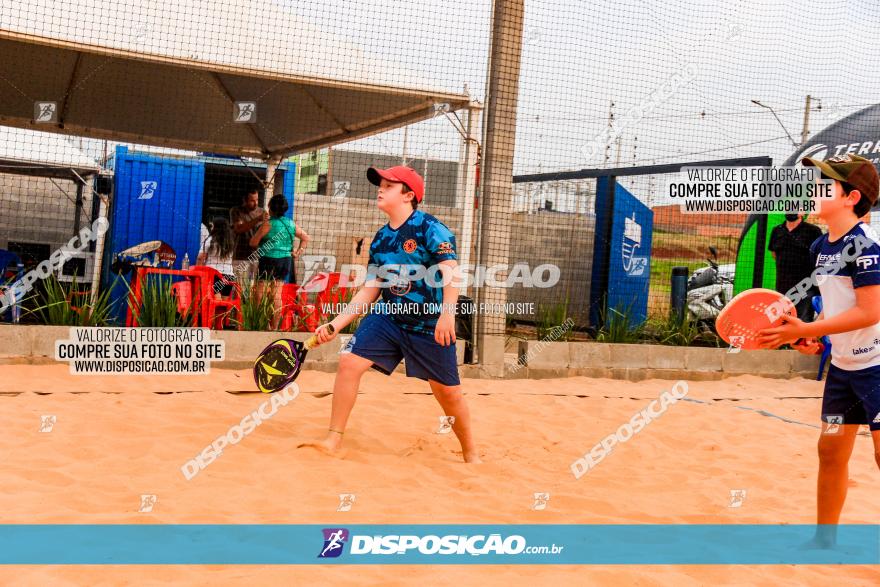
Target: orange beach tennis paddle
x,y
750,312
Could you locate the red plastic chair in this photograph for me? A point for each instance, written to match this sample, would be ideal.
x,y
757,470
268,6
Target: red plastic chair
x,y
76,298
182,291
331,291
215,313
296,312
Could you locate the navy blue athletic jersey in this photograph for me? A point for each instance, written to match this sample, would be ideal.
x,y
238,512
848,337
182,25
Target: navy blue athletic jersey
x,y
844,265
406,261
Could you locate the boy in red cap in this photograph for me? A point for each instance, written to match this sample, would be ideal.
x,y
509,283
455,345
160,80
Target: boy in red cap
x,y
851,317
412,260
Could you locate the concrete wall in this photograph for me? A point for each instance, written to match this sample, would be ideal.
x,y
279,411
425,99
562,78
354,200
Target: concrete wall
x,y
36,344
351,166
634,362
565,240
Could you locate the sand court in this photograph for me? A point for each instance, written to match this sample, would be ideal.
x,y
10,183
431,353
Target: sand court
x,y
112,440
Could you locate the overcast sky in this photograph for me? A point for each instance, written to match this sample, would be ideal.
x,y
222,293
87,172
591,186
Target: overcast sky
x,y
579,56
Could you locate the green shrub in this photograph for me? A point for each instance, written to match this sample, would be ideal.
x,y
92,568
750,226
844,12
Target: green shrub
x,y
549,317
351,328
679,332
618,327
256,310
59,306
157,307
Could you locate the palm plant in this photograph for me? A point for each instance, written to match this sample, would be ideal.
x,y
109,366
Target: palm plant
x,y
60,307
618,327
158,306
549,317
257,309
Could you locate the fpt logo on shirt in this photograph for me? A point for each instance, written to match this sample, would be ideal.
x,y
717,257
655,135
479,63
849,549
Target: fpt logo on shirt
x,y
444,248
410,245
866,261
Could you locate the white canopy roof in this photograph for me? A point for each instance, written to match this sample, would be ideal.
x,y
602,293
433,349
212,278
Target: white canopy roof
x,y
169,74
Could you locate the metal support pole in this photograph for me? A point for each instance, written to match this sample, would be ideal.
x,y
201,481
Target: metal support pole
x,y
497,173
465,197
269,184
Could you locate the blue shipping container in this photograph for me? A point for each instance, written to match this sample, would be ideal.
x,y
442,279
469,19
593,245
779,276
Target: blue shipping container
x,y
157,198
160,198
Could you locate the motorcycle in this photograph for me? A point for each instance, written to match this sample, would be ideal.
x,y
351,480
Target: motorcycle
x,y
709,289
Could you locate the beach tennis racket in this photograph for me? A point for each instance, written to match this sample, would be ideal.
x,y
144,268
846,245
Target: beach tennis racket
x,y
750,312
279,364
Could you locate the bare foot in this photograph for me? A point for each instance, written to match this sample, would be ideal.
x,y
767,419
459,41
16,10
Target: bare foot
x,y
824,539
317,445
471,456
329,445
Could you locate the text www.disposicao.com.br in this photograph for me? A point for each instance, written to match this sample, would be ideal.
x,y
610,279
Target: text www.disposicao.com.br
x,y
139,366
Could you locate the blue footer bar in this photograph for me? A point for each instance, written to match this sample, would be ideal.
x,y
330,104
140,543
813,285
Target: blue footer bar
x,y
289,544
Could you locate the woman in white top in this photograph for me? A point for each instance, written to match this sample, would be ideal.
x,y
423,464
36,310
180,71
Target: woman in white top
x,y
216,252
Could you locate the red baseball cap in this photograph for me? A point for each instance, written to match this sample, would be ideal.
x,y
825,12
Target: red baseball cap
x,y
399,174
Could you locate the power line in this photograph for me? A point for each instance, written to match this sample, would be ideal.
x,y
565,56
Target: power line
x,y
679,155
702,114
712,150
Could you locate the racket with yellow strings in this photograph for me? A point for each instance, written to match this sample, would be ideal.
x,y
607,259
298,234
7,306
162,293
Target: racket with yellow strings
x,y
280,363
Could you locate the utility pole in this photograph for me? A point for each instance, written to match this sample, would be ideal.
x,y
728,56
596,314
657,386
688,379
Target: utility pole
x,y
619,138
610,134
328,189
405,141
806,130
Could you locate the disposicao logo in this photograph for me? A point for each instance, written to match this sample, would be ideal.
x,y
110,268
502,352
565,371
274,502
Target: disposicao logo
x,y
334,541
409,545
632,240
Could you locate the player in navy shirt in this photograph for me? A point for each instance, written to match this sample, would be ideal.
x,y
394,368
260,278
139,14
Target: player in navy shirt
x,y
847,261
412,261
846,265
401,255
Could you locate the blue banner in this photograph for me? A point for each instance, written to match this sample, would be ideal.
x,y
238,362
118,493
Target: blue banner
x,y
621,273
629,273
436,544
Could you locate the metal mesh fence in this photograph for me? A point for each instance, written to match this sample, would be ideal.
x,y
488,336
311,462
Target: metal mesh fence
x,y
183,108
628,90
195,114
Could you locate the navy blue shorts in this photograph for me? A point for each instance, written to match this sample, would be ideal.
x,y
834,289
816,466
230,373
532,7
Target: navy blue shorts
x,y
854,395
271,268
381,340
